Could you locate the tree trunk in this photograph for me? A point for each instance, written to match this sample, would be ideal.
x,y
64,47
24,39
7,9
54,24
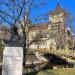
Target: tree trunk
x,y
24,49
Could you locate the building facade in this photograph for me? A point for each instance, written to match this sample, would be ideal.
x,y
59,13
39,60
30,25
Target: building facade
x,y
55,30
58,27
4,32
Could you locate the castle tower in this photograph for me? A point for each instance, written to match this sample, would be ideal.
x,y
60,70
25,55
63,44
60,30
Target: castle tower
x,y
57,19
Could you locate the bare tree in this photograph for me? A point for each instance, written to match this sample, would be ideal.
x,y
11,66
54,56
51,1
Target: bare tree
x,y
17,12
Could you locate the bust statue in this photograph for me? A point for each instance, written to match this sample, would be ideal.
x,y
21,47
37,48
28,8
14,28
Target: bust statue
x,y
14,40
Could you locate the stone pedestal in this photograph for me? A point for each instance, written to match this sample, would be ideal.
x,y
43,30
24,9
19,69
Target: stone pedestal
x,y
12,61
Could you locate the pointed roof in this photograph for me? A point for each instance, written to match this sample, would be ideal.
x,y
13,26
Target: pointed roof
x,y
58,9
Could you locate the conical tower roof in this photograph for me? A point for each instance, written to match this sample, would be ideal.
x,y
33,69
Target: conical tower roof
x,y
58,8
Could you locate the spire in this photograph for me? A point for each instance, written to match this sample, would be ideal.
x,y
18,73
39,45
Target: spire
x,y
58,9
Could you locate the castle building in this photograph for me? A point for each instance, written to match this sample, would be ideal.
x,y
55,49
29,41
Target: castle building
x,y
42,32
55,29
58,27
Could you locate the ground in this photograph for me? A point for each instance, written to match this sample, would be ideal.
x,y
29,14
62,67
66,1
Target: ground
x,y
65,71
61,71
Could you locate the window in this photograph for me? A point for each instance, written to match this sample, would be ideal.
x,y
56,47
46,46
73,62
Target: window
x,y
58,25
55,25
52,26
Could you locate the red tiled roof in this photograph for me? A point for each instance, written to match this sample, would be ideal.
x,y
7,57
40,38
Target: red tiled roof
x,y
42,26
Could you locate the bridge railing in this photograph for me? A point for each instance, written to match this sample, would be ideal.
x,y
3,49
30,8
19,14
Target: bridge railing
x,y
67,52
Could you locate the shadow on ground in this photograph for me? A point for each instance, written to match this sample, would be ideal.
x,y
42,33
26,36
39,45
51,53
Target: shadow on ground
x,y
31,73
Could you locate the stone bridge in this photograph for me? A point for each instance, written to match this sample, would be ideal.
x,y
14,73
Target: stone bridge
x,y
68,55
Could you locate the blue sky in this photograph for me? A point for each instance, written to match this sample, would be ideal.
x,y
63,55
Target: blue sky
x,y
68,5
50,5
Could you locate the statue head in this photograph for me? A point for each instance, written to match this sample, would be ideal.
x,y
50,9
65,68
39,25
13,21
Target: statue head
x,y
15,39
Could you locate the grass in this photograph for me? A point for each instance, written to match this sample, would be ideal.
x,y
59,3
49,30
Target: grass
x,y
65,71
1,50
61,71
